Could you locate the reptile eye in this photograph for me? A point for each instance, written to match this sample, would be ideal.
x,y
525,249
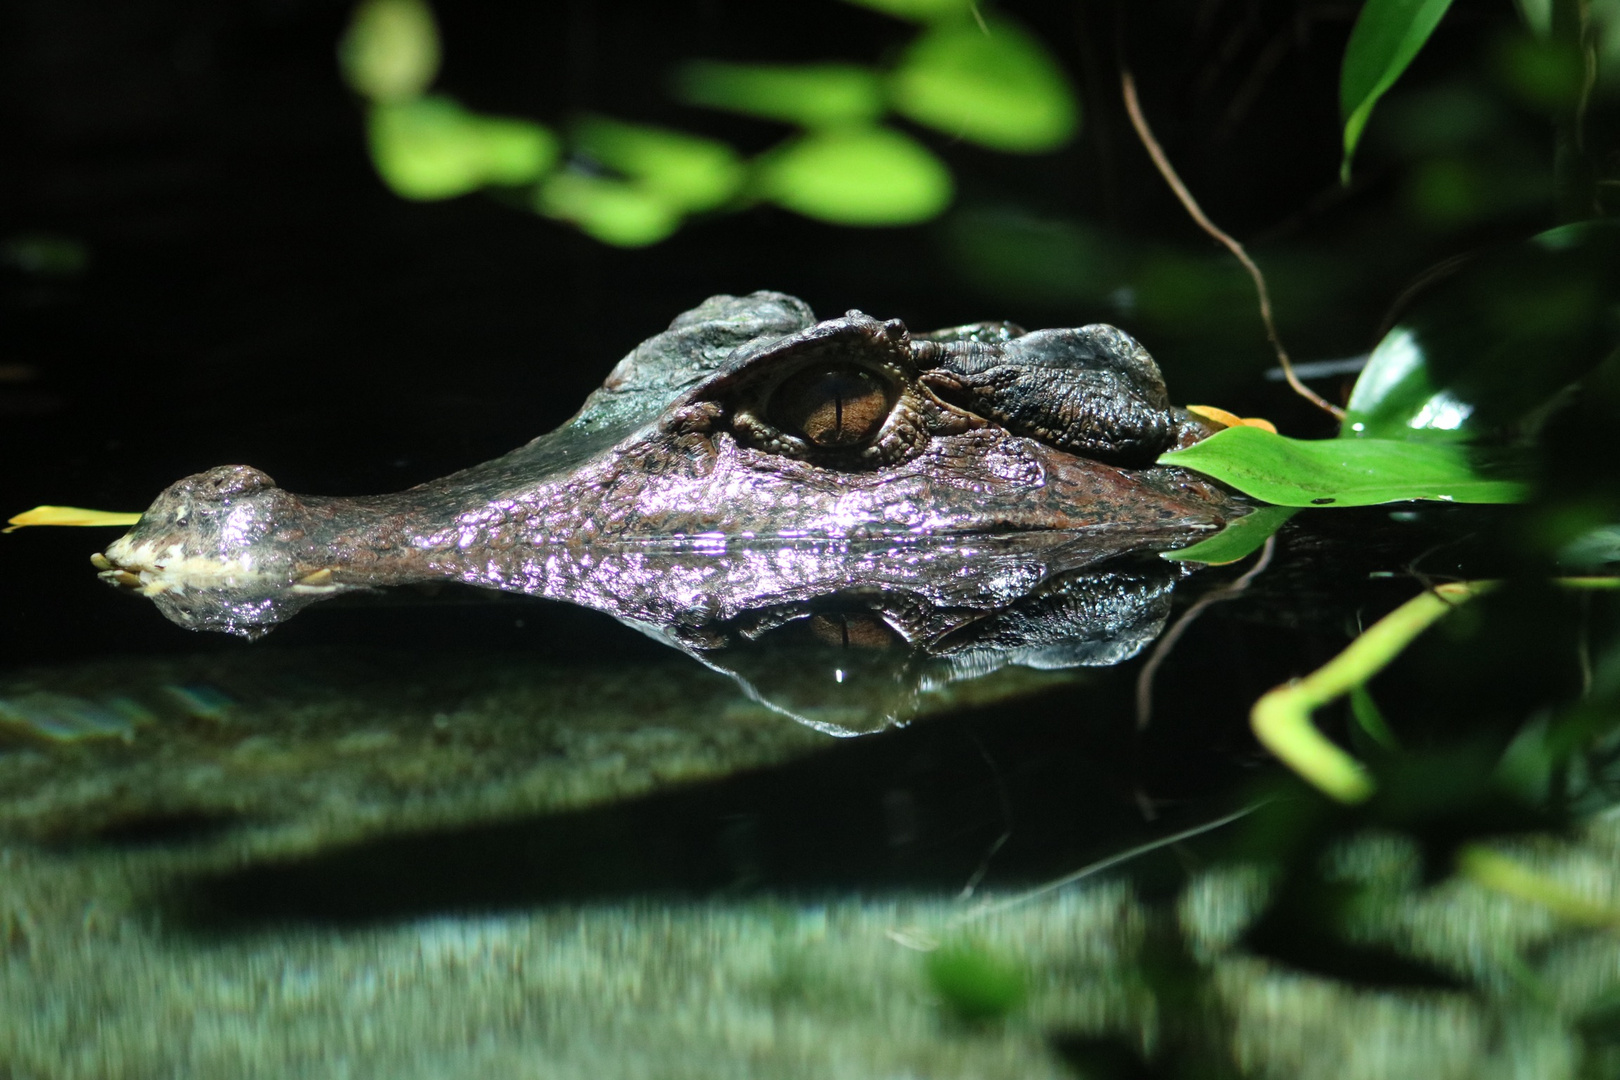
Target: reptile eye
x,y
832,407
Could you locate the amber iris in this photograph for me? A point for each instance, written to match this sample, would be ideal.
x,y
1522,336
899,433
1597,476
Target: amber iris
x,y
831,407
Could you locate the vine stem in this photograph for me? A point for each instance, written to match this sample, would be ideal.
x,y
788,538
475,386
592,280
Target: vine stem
x,y
1133,107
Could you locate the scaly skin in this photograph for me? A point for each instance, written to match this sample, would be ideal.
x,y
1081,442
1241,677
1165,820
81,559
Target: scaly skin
x,y
679,451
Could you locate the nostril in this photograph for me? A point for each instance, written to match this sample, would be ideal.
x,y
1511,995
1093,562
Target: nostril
x,y
229,480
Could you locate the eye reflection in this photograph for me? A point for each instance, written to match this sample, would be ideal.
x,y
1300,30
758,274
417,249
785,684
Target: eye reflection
x,y
857,631
831,407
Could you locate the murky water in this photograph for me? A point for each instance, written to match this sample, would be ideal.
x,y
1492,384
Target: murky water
x,y
592,854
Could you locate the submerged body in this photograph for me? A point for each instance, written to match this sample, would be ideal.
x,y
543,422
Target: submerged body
x,y
747,422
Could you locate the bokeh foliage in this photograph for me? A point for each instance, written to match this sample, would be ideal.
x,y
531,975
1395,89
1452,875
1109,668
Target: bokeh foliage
x,y
971,76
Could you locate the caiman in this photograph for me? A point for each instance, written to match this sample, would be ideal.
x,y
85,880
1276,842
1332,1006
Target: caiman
x,y
816,447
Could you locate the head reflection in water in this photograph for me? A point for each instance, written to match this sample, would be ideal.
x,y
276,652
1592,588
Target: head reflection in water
x,y
861,657
745,466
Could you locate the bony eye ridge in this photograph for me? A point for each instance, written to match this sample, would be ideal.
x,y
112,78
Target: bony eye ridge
x,y
832,407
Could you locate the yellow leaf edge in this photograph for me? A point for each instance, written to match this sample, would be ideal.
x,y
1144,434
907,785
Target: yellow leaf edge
x,y
68,515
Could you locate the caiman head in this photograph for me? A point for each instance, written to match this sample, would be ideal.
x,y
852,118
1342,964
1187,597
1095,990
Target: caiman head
x,y
747,422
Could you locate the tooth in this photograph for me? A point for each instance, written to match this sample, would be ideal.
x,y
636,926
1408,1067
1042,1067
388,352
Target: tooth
x,y
100,561
124,578
319,577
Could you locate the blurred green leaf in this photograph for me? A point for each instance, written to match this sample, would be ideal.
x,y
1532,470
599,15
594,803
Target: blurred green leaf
x,y
996,86
1237,539
390,52
45,255
1545,74
856,176
1387,36
1344,472
1537,15
973,984
682,171
812,95
613,211
1487,349
432,148
921,10
1455,191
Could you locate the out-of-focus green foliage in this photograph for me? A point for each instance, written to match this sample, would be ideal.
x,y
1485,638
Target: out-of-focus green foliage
x,y
994,85
613,211
922,10
390,52
986,81
856,176
810,95
1387,37
1345,472
1603,38
974,985
432,148
44,255
665,175
688,172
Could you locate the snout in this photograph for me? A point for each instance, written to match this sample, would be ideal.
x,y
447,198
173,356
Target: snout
x,y
200,533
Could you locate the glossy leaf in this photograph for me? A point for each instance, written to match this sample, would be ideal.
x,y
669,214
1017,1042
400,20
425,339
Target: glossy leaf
x,y
390,52
1485,351
683,171
1346,472
811,95
1238,539
856,176
1387,36
432,148
996,86
613,211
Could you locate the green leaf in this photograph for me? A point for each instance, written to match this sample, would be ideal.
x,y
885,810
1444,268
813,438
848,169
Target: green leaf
x,y
680,170
1238,539
390,52
1346,472
811,95
1387,36
856,176
996,86
432,148
1487,350
613,211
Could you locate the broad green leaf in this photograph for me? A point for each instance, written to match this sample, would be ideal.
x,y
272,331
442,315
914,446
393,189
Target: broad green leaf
x,y
390,53
811,95
856,176
996,86
679,170
1238,539
1345,472
1387,36
432,148
612,211
922,10
1486,350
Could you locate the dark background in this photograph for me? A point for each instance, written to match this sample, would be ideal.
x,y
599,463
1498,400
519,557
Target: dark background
x,y
240,287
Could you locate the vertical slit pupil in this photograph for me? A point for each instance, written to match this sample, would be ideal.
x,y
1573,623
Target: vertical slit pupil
x,y
831,406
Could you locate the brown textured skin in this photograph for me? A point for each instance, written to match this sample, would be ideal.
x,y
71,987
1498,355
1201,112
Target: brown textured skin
x,y
705,468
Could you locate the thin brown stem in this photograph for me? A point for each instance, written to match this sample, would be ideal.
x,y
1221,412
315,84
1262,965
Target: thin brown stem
x,y
1138,121
1167,641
